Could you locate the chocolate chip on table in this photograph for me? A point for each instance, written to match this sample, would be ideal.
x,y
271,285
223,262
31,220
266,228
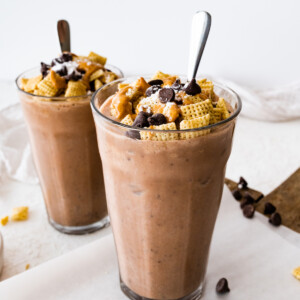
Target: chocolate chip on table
x,y
66,57
177,86
133,134
242,183
248,211
269,208
157,119
141,120
155,82
44,69
152,90
237,194
166,95
222,286
248,199
275,219
192,88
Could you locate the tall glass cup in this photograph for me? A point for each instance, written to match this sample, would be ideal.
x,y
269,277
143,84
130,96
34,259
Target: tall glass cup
x,y
163,199
64,145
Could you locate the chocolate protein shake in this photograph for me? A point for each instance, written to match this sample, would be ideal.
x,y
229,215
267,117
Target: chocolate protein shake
x,y
56,107
164,147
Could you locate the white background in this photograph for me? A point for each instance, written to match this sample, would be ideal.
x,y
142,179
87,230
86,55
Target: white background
x,y
255,42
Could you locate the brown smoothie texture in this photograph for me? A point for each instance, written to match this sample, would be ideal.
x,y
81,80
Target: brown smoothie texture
x,y
163,190
56,106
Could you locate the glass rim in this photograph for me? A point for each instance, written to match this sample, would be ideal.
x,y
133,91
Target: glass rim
x,y
132,78
61,98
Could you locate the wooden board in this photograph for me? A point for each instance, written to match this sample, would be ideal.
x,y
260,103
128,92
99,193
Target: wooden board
x,y
286,198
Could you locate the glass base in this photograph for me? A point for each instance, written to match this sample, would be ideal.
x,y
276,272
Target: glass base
x,y
132,295
81,229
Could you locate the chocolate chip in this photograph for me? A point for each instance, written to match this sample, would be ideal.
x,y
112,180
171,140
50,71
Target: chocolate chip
x,y
177,86
56,61
133,134
222,286
44,69
192,88
166,95
237,194
242,183
152,90
141,120
157,119
248,211
63,71
155,82
269,208
275,219
66,57
75,76
248,199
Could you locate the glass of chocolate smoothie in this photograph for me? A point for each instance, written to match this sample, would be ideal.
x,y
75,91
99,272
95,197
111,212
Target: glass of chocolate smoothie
x,y
164,146
56,104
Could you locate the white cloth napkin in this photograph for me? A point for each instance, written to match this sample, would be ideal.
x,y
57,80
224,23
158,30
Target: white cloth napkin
x,y
279,104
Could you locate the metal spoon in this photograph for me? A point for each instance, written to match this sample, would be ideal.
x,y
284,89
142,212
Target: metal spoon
x,y
63,30
200,30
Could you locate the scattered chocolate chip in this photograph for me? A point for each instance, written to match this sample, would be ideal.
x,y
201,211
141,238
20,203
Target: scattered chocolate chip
x,y
177,86
155,82
166,95
44,69
157,119
133,134
237,194
248,211
246,201
66,57
242,183
269,208
141,120
152,90
222,286
75,76
192,88
63,71
275,219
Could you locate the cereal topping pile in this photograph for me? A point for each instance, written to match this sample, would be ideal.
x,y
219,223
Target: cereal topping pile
x,y
164,103
69,75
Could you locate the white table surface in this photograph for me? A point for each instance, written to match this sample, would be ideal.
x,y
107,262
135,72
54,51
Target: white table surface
x,y
264,153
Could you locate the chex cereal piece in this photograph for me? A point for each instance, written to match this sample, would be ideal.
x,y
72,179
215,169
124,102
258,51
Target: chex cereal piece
x,y
4,220
97,74
207,87
222,104
189,99
30,84
216,115
196,110
194,123
98,84
108,77
46,88
20,213
166,78
97,58
127,120
148,135
296,273
75,88
122,85
57,81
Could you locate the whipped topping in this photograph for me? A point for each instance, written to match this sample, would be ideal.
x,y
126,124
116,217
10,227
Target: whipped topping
x,y
70,65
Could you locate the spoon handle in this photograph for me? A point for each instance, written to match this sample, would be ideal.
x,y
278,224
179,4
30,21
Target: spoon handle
x,y
63,30
200,30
